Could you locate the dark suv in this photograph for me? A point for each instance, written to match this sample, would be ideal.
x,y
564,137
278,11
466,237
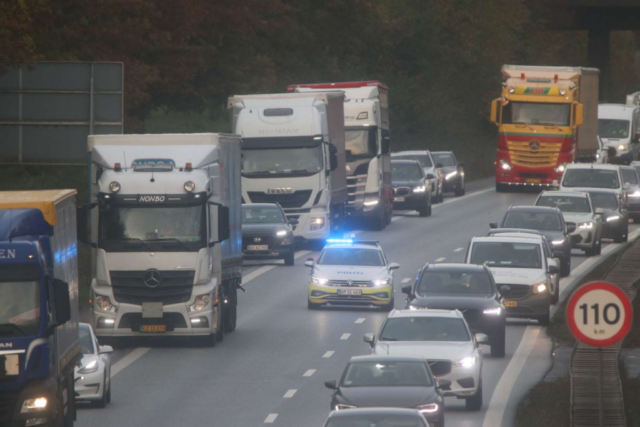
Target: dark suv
x,y
266,233
465,287
410,187
549,222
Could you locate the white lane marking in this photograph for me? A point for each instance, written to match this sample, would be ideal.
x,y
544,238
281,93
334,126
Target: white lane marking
x,y
262,270
397,218
309,373
328,354
407,280
289,394
458,250
361,320
502,392
440,259
300,254
270,418
345,336
128,360
457,199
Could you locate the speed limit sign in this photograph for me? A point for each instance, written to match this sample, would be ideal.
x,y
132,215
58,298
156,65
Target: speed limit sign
x,y
599,314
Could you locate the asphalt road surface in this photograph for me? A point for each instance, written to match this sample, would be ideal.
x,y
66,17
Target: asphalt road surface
x,y
271,370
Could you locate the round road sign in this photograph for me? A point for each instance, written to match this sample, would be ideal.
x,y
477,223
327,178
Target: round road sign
x,y
599,314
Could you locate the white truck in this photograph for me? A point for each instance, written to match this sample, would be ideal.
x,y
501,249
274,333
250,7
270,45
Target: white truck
x,y
167,256
293,154
366,120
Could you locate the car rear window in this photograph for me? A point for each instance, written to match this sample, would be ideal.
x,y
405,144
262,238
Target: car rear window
x,y
566,204
546,221
596,178
629,175
420,328
454,282
351,256
507,254
386,374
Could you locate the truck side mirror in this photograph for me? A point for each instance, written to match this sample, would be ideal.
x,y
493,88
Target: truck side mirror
x,y
495,105
82,222
386,145
61,302
579,114
224,231
333,157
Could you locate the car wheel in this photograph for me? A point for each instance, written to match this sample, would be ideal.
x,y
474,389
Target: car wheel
x,y
109,393
598,248
289,258
312,306
556,294
103,400
544,319
459,190
389,307
425,210
565,267
498,346
441,198
474,403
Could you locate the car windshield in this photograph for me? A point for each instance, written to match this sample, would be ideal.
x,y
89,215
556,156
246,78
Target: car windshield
x,y
604,200
405,171
351,256
595,178
364,420
289,162
629,175
252,214
384,373
360,143
424,329
424,159
152,228
611,128
545,221
446,159
454,283
535,113
87,344
566,204
19,307
506,254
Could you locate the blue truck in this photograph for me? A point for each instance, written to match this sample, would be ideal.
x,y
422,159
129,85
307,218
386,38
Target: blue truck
x,y
39,340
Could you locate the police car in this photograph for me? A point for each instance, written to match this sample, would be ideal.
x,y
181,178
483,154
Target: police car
x,y
351,273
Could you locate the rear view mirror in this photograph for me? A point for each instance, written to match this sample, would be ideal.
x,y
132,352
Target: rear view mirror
x,y
293,221
386,145
431,176
333,157
579,114
309,262
105,349
493,225
558,254
553,269
406,289
331,385
626,186
505,290
461,164
370,338
571,228
394,266
599,211
223,226
495,106
61,302
482,339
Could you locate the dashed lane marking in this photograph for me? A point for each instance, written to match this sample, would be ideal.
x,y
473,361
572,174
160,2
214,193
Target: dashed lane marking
x,y
361,320
458,250
440,259
270,418
406,280
345,336
309,373
289,394
262,270
328,354
128,360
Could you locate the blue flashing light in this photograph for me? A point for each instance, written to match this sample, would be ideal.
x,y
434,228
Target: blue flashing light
x,y
340,241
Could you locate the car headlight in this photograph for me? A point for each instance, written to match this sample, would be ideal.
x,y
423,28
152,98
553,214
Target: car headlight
x,y
381,282
371,201
428,409
318,281
467,362
103,303
561,168
613,218
539,288
90,368
505,165
557,242
34,405
634,194
622,147
317,223
450,175
283,233
201,302
586,225
420,189
493,311
342,407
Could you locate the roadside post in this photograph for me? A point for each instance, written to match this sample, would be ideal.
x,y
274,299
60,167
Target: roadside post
x,y
600,315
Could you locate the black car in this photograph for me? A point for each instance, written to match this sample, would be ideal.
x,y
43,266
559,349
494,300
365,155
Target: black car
x,y
391,382
453,171
410,187
468,288
266,233
615,220
383,417
549,222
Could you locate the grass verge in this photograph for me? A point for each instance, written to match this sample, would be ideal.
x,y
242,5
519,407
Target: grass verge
x,y
546,404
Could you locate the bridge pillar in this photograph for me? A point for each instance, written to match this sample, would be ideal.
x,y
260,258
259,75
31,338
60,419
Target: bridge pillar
x,y
598,52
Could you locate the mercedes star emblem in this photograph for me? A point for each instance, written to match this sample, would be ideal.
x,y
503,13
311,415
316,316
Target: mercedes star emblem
x,y
350,282
257,239
534,145
152,278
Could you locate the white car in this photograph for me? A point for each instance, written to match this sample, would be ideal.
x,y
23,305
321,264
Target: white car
x,y
577,209
521,270
595,176
444,339
94,383
351,273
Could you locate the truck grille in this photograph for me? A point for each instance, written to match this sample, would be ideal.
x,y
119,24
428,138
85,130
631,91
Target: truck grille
x,y
521,155
7,405
355,189
175,287
439,368
518,291
134,320
297,199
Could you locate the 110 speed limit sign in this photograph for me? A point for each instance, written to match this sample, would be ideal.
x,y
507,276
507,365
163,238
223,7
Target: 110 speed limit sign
x,y
599,314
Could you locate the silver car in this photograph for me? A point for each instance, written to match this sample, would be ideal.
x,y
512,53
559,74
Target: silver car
x,y
431,169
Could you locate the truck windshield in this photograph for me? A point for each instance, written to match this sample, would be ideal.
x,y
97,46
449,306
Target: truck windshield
x,y
19,308
274,162
360,143
534,113
608,128
152,228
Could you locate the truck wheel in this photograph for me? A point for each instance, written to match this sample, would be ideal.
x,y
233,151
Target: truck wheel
x,y
389,307
221,321
501,188
289,258
474,403
378,223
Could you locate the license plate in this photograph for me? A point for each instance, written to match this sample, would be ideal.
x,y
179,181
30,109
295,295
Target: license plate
x,y
258,247
534,180
349,291
153,328
511,303
398,199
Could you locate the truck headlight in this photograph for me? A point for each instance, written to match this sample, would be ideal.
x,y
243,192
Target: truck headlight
x,y
318,281
114,186
622,147
317,223
90,368
557,242
586,225
539,288
189,186
450,175
467,362
613,218
420,189
103,303
371,201
34,405
493,311
561,168
381,282
201,302
505,165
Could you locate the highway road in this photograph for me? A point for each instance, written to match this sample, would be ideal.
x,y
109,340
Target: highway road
x,y
271,370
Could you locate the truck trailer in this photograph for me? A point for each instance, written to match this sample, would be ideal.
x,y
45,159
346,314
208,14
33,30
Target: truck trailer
x,y
39,340
293,154
367,147
547,117
166,235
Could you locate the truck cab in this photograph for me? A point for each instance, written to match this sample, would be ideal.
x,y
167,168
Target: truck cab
x,y
619,128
